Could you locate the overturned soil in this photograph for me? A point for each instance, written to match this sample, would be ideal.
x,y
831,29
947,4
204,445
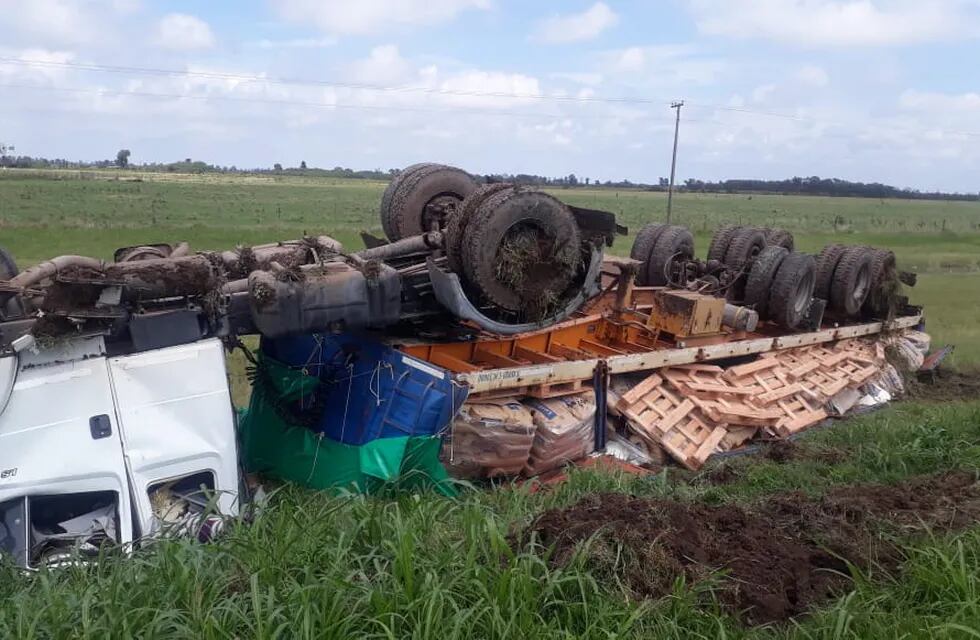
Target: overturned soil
x,y
945,385
767,561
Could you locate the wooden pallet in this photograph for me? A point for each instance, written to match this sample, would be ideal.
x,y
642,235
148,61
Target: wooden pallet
x,y
545,391
717,398
663,417
695,410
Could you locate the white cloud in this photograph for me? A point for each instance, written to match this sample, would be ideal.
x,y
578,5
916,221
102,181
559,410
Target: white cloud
x,y
662,65
813,75
577,27
940,102
762,93
522,88
296,43
586,78
359,17
35,74
383,66
182,32
56,22
839,22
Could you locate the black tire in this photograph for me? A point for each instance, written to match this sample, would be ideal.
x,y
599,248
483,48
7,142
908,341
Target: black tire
x,y
459,220
643,245
720,241
490,225
11,306
826,265
761,277
675,242
780,238
746,244
883,266
389,193
403,205
792,290
852,281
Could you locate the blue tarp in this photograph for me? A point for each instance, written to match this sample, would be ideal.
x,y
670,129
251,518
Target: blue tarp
x,y
369,390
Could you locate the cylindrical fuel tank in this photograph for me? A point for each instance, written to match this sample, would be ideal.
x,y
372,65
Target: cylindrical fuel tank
x,y
333,297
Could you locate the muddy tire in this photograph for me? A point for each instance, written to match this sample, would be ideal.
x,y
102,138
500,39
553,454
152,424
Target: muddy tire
x,y
389,193
11,306
513,210
674,243
405,200
459,220
643,246
720,241
746,244
883,267
761,277
826,265
852,281
780,238
792,289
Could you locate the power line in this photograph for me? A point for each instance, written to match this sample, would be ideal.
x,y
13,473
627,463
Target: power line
x,y
322,105
215,75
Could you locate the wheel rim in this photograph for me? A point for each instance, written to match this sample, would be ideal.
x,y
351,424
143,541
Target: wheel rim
x,y
803,292
862,284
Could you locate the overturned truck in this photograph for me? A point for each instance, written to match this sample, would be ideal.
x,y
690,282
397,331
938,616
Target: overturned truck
x,y
115,414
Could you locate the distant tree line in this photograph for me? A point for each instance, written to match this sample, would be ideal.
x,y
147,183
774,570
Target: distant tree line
x,y
818,186
812,185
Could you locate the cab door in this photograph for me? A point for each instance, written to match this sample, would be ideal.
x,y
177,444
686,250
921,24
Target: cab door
x,y
59,435
176,417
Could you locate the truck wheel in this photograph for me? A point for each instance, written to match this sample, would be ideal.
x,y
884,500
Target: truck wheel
x,y
459,221
745,245
882,270
720,241
674,243
405,204
792,289
852,281
760,279
522,250
826,265
11,306
643,245
780,238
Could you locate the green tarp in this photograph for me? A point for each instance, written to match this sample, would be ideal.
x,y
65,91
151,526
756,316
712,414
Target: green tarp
x,y
274,444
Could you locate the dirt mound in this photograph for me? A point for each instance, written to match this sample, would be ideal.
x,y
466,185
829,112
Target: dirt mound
x,y
773,560
945,385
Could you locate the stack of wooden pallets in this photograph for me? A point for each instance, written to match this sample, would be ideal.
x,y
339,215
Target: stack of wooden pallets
x,y
693,411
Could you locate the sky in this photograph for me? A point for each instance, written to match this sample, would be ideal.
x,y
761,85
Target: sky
x,y
869,90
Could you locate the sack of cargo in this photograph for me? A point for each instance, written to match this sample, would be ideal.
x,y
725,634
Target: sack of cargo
x,y
905,355
890,380
918,339
489,439
564,431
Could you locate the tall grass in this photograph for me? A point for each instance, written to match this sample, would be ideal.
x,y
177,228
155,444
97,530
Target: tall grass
x,y
319,566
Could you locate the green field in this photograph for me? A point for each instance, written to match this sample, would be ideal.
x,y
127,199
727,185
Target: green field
x,y
314,565
43,214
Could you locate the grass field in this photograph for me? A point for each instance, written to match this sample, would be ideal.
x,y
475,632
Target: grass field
x,y
319,566
43,214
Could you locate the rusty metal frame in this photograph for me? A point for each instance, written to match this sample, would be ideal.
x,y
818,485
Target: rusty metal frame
x,y
570,371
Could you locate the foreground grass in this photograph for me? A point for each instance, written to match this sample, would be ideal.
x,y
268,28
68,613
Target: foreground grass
x,y
316,566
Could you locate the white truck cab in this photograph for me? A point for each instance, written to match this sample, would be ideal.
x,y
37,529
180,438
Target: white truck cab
x,y
98,449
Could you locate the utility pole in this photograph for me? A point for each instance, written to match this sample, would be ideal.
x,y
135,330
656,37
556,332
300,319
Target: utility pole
x,y
673,161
